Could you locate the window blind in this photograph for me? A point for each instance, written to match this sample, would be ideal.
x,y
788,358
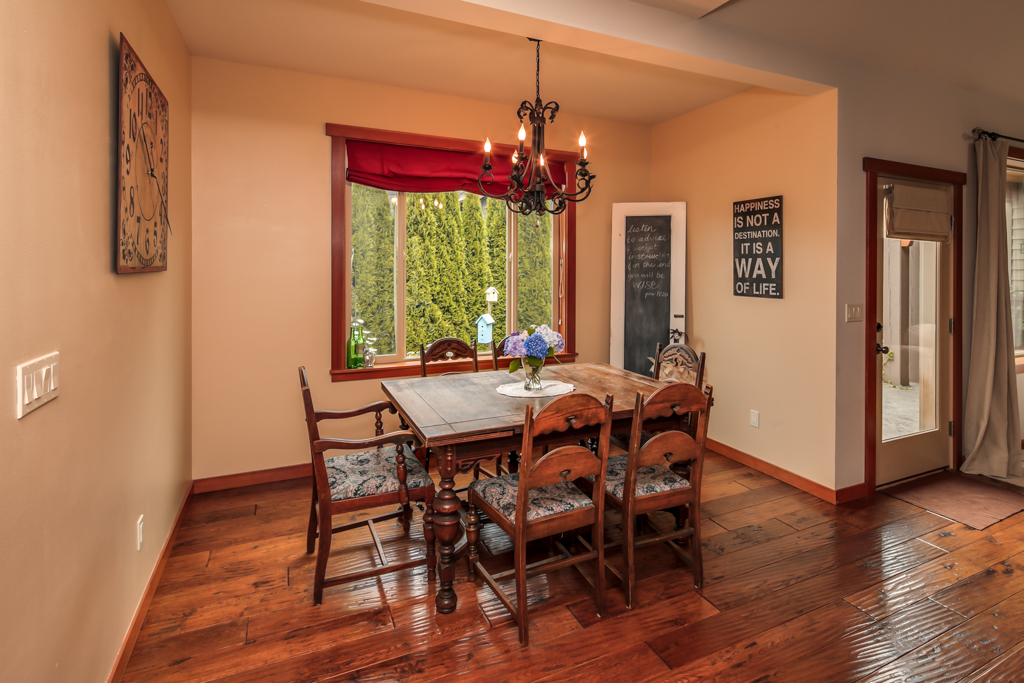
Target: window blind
x,y
913,212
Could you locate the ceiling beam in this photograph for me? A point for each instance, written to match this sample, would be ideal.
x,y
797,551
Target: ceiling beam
x,y
603,26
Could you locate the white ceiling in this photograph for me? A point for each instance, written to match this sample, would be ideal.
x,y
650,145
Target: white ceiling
x,y
356,40
973,44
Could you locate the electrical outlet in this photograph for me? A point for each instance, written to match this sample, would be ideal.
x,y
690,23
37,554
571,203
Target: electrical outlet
x,y
754,418
140,533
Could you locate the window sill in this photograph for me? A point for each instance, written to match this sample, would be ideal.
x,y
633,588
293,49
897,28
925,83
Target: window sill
x,y
408,368
1019,360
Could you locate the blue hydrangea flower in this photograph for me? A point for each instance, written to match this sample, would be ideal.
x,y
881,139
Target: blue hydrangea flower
x,y
536,347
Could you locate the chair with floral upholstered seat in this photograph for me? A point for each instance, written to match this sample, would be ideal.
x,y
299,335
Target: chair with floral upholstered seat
x,y
643,481
543,499
381,475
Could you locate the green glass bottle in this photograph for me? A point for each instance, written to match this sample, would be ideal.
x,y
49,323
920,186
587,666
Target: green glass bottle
x,y
350,350
360,343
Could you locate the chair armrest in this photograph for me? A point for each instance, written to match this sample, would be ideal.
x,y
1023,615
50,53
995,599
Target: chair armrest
x,y
394,438
378,407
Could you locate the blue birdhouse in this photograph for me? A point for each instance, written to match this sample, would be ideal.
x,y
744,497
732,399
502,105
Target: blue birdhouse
x,y
484,329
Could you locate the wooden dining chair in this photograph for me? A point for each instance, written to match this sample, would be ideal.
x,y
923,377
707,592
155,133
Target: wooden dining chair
x,y
444,350
543,500
368,479
498,351
679,362
643,481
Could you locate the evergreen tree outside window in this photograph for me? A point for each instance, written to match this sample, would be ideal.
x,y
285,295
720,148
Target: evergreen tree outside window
x,y
447,248
373,263
533,272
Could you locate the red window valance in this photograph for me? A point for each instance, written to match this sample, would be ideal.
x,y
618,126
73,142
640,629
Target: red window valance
x,y
422,169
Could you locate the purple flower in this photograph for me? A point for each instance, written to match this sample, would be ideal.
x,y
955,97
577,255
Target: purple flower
x,y
514,347
536,347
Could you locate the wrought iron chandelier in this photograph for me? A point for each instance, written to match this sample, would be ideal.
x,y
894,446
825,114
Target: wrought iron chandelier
x,y
530,185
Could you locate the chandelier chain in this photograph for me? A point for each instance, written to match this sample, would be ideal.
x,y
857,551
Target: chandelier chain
x,y
538,70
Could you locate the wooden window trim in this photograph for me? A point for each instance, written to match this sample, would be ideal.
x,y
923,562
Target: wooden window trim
x,y
339,134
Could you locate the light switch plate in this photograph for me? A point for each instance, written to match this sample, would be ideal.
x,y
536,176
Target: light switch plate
x,y
854,313
37,383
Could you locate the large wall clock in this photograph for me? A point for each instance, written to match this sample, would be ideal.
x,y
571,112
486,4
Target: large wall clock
x,y
142,169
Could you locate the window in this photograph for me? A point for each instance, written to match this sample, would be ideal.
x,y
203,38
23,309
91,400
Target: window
x,y
1015,247
447,248
414,264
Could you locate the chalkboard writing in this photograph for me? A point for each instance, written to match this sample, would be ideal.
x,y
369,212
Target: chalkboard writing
x,y
757,248
648,289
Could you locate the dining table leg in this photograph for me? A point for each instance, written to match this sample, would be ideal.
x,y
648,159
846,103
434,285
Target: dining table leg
x,y
446,528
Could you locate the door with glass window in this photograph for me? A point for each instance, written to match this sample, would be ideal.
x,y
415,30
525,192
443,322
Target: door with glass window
x,y
914,328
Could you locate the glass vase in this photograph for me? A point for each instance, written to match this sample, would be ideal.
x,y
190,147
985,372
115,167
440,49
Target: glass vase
x,y
532,378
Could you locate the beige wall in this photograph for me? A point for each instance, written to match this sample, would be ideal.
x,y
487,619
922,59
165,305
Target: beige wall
x,y
261,268
76,473
773,356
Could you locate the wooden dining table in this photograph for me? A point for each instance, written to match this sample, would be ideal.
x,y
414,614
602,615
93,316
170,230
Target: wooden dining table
x,y
463,419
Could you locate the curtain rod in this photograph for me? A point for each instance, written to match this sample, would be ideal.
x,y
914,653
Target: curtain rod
x,y
981,133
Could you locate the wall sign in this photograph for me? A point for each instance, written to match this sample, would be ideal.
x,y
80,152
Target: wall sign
x,y
757,248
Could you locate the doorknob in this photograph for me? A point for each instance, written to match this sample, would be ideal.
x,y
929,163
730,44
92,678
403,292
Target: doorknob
x,y
878,327
881,349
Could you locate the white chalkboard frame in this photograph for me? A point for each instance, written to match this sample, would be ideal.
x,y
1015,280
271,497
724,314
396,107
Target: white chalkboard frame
x,y
678,298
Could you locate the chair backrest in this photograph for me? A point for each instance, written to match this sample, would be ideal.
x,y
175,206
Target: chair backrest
x,y
498,350
446,349
672,446
566,413
679,362
307,402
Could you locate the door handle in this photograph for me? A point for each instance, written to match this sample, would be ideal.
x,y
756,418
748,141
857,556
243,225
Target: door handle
x,y
881,349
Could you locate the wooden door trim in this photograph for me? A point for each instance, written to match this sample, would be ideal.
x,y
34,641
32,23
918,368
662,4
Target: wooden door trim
x,y
874,168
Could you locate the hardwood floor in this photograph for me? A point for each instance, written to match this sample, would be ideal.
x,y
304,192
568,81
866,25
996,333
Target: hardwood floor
x,y
795,590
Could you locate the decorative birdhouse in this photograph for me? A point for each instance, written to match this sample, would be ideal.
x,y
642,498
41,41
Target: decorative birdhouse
x,y
484,329
491,294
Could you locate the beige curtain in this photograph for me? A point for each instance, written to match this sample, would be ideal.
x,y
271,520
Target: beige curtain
x,y
992,425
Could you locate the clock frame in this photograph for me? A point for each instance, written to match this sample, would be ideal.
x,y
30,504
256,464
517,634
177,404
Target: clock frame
x,y
142,223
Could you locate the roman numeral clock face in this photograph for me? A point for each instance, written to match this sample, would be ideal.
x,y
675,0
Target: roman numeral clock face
x,y
142,193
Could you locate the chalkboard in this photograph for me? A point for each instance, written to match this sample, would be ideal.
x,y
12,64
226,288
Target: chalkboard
x,y
648,289
757,248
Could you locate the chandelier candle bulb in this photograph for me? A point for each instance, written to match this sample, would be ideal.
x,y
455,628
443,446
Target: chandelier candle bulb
x,y
487,151
583,145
